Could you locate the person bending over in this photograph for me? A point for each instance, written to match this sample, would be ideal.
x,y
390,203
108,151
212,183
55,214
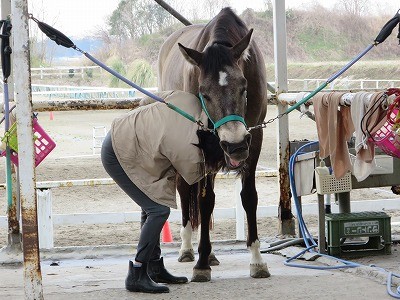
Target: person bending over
x,y
143,152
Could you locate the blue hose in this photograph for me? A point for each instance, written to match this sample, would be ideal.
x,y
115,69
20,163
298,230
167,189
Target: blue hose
x,y
310,242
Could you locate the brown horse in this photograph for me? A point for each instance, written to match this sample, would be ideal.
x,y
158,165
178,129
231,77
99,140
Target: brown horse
x,y
220,63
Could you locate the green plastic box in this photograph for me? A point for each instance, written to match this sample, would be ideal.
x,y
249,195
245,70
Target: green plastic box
x,y
358,234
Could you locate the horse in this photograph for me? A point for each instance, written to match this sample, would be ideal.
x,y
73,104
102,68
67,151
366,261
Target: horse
x,y
221,64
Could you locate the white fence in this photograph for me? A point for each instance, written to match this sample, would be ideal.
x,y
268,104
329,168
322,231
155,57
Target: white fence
x,y
68,71
61,92
47,220
309,84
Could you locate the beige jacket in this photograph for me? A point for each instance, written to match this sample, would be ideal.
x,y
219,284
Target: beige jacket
x,y
153,142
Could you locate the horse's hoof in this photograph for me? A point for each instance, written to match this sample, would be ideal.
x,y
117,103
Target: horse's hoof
x,y
259,271
186,256
212,260
201,275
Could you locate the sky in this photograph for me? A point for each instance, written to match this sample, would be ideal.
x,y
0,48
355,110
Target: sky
x,y
79,18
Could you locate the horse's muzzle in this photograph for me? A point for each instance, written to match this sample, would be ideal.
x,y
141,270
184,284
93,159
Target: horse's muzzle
x,y
236,153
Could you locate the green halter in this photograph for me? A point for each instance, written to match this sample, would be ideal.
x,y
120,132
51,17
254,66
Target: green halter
x,y
222,121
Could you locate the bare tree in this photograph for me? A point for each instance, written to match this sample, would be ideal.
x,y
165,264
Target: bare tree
x,y
354,7
212,7
135,18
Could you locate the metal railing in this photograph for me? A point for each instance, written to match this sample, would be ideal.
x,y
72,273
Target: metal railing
x,y
67,71
309,84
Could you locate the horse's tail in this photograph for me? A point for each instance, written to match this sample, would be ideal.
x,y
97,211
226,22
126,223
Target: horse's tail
x,y
194,212
194,209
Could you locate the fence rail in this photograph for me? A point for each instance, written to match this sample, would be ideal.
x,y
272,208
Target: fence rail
x,y
46,219
68,71
309,84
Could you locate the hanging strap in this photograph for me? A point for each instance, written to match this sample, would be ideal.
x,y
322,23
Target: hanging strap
x,y
53,34
5,48
388,28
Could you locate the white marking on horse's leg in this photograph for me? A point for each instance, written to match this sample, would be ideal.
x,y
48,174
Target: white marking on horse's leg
x,y
258,268
223,81
255,253
186,236
186,253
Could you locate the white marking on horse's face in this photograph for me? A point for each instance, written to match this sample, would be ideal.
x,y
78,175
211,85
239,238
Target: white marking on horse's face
x,y
255,253
232,132
223,81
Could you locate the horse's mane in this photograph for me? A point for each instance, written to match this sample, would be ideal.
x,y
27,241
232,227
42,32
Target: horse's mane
x,y
215,58
228,27
213,153
225,30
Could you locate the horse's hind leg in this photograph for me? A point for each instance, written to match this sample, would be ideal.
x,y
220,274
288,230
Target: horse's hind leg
x,y
202,270
186,253
258,269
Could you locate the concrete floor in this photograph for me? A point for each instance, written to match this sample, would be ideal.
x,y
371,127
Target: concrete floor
x,y
100,273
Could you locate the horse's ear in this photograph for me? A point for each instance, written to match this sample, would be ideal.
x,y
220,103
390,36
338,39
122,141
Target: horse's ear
x,y
191,55
239,48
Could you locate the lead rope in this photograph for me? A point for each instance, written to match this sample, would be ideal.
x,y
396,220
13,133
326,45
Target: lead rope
x,y
264,124
61,39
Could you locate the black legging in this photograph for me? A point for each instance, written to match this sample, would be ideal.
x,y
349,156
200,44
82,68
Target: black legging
x,y
154,215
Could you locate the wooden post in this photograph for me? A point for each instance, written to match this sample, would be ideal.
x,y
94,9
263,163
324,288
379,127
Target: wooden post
x,y
239,211
26,152
286,221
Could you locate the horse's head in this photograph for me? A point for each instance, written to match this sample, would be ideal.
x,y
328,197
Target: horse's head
x,y
223,89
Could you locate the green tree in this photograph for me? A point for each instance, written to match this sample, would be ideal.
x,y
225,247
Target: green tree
x,y
117,65
141,73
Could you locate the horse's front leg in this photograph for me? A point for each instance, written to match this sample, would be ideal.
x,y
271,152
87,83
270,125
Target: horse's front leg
x,y
258,269
202,269
186,253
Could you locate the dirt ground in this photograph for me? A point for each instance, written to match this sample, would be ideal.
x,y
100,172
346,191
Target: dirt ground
x,y
73,159
103,278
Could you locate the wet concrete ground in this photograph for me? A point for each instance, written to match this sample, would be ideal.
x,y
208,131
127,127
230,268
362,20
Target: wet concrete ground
x,y
100,273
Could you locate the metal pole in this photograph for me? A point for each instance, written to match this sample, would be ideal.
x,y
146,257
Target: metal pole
x,y
286,221
14,235
173,12
30,241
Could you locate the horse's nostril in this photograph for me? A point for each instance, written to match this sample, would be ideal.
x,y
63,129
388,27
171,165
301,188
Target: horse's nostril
x,y
224,146
231,148
248,139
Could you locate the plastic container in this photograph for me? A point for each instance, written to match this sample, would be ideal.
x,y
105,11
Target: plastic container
x,y
326,183
386,138
42,142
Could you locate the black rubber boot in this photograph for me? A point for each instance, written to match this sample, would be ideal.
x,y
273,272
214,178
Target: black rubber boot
x,y
159,274
138,280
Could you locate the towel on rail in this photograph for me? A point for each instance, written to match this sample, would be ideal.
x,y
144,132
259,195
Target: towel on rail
x,y
334,128
375,118
364,163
